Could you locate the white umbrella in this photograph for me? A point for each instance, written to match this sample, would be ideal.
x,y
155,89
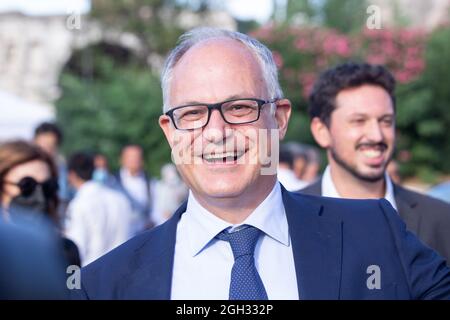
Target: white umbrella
x,y
19,118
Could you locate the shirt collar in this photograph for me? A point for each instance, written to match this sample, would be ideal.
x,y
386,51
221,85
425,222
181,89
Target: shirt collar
x,y
329,189
269,217
125,174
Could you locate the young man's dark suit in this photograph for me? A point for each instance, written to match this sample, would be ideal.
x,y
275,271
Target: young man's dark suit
x,y
426,217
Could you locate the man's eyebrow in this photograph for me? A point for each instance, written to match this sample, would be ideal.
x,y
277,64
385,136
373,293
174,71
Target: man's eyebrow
x,y
358,114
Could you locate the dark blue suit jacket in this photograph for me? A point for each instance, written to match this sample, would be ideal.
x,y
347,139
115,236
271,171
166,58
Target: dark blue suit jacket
x,y
334,242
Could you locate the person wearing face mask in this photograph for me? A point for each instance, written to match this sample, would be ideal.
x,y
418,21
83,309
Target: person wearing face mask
x,y
29,190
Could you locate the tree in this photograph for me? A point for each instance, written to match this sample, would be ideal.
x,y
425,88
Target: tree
x,y
423,117
118,105
111,97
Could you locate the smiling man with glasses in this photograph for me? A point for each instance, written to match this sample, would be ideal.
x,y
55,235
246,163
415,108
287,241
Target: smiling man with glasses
x,y
241,235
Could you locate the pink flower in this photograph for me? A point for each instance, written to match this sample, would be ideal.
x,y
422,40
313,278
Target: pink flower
x,y
307,82
277,58
301,44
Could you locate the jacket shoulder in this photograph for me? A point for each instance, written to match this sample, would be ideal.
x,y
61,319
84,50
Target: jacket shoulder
x,y
428,206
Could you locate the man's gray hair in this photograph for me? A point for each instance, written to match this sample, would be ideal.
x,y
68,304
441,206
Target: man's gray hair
x,y
198,35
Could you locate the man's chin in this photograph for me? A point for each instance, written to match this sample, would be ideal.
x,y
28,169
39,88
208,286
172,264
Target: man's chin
x,y
370,175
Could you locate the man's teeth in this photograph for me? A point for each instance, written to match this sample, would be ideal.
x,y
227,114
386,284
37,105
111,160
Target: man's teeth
x,y
226,156
371,153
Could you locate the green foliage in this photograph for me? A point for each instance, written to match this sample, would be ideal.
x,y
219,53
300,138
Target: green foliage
x,y
120,106
111,98
423,115
151,20
344,15
417,61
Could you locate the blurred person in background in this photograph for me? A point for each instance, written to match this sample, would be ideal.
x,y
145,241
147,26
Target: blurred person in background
x,y
286,174
312,168
101,171
352,110
393,172
98,218
136,183
441,191
29,189
49,137
298,151
169,193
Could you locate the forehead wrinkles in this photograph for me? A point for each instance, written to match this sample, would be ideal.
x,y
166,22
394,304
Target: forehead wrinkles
x,y
219,58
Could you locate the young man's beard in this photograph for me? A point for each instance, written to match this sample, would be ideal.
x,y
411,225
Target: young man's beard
x,y
354,172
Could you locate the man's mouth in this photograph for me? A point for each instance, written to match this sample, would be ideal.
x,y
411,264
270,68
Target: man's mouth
x,y
223,157
372,151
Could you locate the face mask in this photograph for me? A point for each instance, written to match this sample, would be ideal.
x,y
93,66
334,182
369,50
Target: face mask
x,y
34,196
100,175
35,202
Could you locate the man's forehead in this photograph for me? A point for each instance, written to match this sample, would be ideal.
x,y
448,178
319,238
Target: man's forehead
x,y
215,70
132,150
364,99
214,46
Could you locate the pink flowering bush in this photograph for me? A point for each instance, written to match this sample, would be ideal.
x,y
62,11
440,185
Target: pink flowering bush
x,y
419,62
302,53
400,50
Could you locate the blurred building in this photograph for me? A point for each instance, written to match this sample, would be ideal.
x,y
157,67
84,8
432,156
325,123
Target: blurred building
x,y
415,13
36,43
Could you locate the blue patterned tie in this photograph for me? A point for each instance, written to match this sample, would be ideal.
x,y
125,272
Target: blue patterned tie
x,y
245,283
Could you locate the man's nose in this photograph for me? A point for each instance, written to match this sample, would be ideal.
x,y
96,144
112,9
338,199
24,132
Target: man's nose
x,y
217,129
374,132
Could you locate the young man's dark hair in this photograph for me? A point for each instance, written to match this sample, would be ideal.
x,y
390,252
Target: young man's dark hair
x,y
82,164
48,127
322,100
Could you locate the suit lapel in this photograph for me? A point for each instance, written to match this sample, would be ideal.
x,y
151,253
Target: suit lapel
x,y
314,189
316,244
405,207
154,262
317,247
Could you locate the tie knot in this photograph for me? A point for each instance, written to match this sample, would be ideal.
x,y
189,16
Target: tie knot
x,y
242,242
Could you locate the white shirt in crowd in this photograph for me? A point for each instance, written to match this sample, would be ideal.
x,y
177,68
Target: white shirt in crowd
x,y
98,220
202,264
289,180
329,189
168,194
136,186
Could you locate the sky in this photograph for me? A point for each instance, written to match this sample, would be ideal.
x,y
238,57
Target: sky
x,y
259,10
45,7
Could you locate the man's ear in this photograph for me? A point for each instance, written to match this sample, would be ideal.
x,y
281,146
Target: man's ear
x,y
166,126
282,115
320,132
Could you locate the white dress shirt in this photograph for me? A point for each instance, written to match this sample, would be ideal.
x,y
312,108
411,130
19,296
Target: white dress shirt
x,y
98,220
202,264
329,189
136,186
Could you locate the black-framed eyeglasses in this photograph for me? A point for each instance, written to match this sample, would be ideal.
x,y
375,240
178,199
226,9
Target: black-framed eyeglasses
x,y
28,185
234,111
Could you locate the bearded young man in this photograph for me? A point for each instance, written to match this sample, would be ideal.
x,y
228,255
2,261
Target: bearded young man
x,y
352,109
